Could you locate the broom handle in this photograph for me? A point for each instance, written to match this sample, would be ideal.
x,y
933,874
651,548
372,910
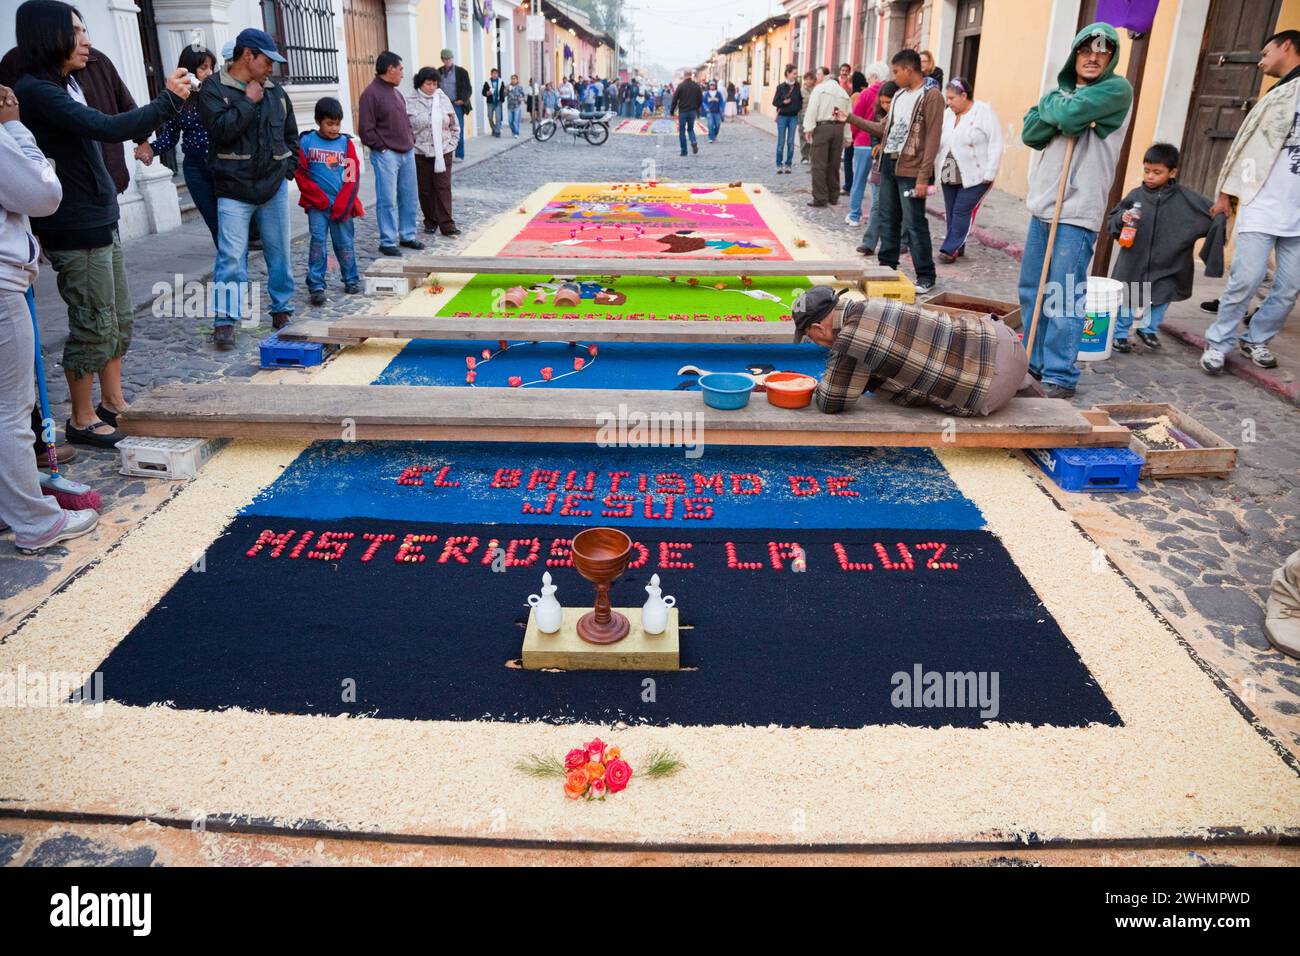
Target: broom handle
x,y
50,454
1051,241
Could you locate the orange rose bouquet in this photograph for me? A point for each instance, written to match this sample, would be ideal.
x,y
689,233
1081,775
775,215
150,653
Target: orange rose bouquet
x,y
595,769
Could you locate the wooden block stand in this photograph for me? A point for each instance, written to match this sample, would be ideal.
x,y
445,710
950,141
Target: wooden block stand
x,y
565,650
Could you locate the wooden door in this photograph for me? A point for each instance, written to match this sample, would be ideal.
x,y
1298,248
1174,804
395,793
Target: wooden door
x,y
966,39
912,26
365,28
1227,85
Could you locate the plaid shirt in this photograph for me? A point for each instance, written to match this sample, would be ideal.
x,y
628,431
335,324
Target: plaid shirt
x,y
912,355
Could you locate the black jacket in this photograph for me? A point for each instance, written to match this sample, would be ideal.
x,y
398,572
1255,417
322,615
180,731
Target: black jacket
x,y
501,92
69,134
788,99
1173,219
106,92
252,147
464,89
688,97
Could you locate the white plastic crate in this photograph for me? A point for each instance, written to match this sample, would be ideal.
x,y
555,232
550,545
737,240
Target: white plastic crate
x,y
165,457
387,285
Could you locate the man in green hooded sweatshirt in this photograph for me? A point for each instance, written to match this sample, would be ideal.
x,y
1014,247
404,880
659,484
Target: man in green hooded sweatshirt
x,y
1090,103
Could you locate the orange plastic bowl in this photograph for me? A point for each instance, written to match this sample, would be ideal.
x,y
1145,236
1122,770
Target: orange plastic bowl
x,y
790,389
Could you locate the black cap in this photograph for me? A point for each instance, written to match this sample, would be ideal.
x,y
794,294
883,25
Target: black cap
x,y
813,306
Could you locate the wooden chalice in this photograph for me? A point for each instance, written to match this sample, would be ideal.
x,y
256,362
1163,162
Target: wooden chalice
x,y
600,555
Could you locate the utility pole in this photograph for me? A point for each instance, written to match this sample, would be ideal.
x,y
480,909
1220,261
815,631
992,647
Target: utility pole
x,y
1137,65
618,38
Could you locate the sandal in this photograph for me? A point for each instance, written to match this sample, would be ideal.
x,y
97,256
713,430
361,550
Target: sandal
x,y
88,435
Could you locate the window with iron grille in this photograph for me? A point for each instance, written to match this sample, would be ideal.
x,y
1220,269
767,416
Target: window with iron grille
x,y
844,34
304,32
867,19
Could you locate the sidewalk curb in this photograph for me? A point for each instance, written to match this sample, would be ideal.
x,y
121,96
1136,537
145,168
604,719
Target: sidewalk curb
x,y
1237,364
985,238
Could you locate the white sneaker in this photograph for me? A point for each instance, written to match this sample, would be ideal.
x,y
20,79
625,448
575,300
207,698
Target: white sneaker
x,y
1261,355
77,524
1212,360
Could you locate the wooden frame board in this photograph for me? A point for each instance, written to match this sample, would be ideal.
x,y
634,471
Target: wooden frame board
x,y
356,327
423,265
453,413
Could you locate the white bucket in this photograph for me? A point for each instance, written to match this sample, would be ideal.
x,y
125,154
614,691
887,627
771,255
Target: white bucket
x,y
1102,303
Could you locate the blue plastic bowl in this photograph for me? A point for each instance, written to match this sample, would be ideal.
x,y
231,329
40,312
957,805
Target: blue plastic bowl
x,y
726,390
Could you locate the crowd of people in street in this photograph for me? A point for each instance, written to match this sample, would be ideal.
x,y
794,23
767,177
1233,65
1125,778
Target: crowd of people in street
x,y
64,117
907,134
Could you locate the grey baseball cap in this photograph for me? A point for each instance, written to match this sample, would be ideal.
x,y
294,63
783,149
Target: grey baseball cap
x,y
813,306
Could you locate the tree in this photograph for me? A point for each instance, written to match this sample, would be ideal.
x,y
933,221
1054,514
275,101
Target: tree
x,y
604,14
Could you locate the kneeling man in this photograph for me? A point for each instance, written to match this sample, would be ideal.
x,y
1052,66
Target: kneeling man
x,y
963,365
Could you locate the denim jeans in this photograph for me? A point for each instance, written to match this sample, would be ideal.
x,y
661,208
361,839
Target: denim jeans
x,y
898,213
1249,266
230,276
339,233
516,117
787,132
198,179
961,203
686,124
1060,324
861,172
871,235
397,196
460,123
715,124
1124,321
494,117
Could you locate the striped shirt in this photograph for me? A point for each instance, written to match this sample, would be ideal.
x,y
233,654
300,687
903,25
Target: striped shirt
x,y
911,355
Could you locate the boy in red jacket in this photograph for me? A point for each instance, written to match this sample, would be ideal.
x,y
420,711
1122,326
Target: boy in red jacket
x,y
329,181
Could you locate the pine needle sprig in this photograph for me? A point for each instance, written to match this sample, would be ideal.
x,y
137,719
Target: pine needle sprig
x,y
547,765
662,763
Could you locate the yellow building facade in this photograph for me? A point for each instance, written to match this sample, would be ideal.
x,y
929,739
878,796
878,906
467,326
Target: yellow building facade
x,y
1197,83
1198,80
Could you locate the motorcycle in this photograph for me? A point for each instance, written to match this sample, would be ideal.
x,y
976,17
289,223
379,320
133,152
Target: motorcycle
x,y
593,127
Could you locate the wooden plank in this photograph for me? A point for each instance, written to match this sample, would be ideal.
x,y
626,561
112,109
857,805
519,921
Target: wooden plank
x,y
357,327
457,413
318,330
638,651
422,265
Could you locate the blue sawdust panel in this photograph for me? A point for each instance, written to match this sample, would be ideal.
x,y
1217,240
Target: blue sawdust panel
x,y
726,486
619,365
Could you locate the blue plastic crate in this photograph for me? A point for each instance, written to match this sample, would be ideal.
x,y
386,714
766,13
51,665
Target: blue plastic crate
x,y
1090,469
285,353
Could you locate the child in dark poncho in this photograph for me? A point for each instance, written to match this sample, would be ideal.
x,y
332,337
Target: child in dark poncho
x,y
1157,268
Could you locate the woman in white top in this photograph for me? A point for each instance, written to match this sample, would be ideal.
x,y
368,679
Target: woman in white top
x,y
568,97
433,122
967,162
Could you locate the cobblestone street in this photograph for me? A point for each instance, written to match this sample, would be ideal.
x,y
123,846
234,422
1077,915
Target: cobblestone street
x,y
1202,550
